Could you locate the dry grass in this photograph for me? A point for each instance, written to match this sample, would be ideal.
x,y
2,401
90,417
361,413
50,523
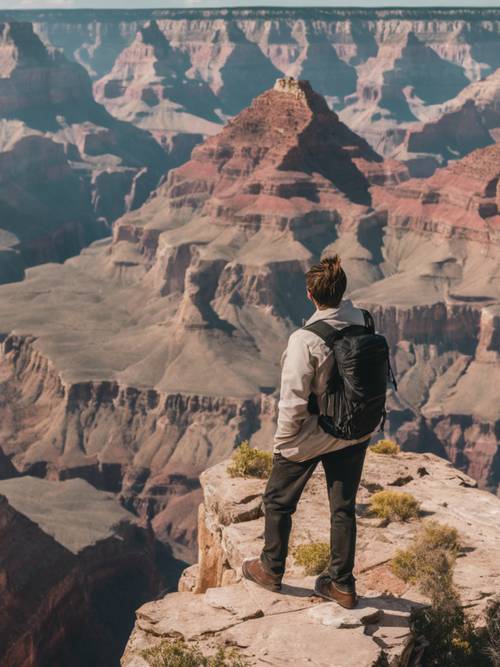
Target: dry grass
x,y
394,505
313,557
388,447
450,635
249,462
178,653
429,561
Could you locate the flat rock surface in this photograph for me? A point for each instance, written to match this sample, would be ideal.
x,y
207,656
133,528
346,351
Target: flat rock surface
x,y
73,512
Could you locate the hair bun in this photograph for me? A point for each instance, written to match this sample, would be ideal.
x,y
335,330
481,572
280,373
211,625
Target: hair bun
x,y
332,263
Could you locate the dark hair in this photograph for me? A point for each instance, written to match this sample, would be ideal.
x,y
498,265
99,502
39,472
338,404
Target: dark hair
x,y
327,282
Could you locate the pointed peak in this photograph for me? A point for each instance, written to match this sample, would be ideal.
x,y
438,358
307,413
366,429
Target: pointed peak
x,y
301,90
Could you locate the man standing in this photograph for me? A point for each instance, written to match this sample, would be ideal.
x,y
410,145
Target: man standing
x,y
301,443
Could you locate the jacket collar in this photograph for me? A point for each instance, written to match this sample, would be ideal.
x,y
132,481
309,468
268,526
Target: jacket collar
x,y
345,313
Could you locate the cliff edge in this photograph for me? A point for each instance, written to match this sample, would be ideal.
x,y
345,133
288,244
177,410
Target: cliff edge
x,y
214,607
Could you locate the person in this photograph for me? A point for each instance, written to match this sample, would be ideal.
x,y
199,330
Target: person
x,y
300,444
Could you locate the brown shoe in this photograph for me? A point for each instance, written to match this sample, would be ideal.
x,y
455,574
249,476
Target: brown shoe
x,y
325,588
253,570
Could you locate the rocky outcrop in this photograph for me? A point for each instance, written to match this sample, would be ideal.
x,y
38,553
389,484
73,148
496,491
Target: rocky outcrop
x,y
460,201
68,167
403,76
67,552
215,607
437,305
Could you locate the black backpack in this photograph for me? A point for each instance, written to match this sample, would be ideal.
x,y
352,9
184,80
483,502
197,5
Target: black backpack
x,y
356,390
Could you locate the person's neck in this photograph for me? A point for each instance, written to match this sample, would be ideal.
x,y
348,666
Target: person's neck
x,y
318,307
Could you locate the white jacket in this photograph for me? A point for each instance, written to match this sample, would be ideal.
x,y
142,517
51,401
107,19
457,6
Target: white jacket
x,y
306,367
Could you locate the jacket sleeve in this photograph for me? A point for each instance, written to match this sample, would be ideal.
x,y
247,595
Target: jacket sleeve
x,y
298,369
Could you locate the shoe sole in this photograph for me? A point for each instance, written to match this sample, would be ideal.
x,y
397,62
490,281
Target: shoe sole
x,y
332,599
274,588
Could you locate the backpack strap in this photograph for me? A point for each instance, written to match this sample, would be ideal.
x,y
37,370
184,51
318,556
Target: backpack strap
x,y
326,332
369,323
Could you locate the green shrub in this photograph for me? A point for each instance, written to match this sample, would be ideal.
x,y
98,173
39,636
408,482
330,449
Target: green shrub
x,y
178,653
249,462
394,505
385,447
450,636
430,559
314,557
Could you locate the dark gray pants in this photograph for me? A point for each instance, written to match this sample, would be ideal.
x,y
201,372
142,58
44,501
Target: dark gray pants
x,y
287,481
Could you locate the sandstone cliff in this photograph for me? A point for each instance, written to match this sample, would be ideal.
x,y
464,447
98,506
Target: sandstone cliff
x,y
74,567
149,86
215,607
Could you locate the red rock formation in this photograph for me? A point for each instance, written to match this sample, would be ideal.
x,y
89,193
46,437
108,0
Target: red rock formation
x,y
460,201
67,551
437,303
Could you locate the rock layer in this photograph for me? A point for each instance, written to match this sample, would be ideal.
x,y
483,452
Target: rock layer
x,y
149,86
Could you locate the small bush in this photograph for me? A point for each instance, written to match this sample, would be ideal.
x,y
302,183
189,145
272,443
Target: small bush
x,y
394,505
385,447
179,654
435,535
314,557
493,630
249,462
429,560
450,636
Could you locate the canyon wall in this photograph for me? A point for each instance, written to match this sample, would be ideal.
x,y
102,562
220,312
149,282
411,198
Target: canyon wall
x,y
176,77
148,357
